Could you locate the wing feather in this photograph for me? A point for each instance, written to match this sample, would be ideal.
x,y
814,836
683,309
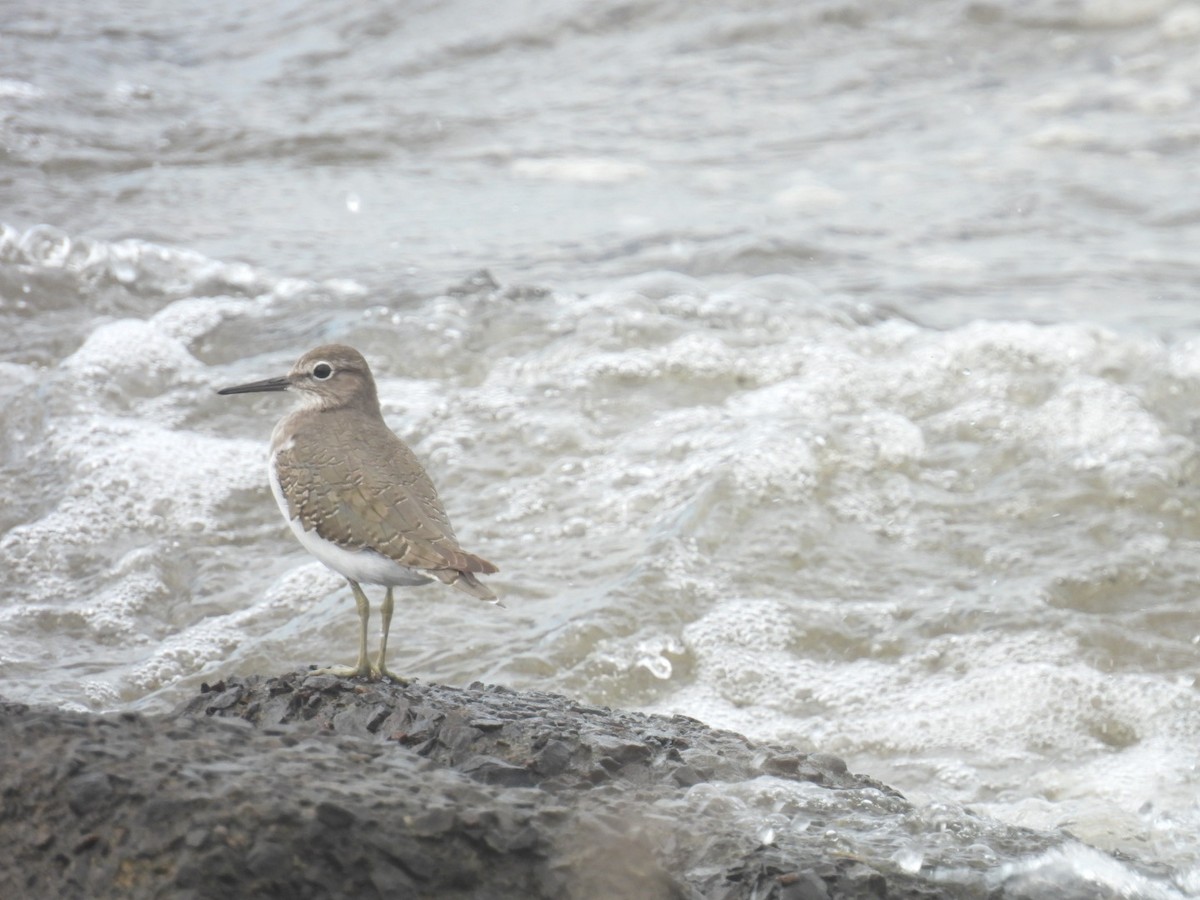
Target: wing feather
x,y
369,491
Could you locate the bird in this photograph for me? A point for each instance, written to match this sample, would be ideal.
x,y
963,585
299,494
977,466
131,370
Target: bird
x,y
356,497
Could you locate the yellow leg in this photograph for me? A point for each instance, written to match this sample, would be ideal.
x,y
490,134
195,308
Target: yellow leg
x,y
385,613
362,669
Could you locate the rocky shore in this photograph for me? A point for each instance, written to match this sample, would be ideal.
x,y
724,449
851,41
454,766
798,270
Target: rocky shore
x,y
306,785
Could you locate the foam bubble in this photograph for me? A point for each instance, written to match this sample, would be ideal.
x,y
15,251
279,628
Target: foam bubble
x,y
1063,868
190,319
1095,424
12,89
1089,13
966,692
806,193
588,170
1182,23
116,613
124,477
218,642
129,357
141,267
835,675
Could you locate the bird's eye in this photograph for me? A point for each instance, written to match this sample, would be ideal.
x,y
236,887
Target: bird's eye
x,y
322,370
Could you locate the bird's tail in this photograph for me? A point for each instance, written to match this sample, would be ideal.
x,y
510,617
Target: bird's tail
x,y
467,583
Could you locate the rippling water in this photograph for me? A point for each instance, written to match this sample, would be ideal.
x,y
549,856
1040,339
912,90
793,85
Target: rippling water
x,y
832,377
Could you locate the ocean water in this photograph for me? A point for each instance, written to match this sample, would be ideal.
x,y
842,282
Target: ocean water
x,y
824,371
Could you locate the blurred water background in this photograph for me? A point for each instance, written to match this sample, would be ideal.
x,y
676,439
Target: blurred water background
x,y
824,371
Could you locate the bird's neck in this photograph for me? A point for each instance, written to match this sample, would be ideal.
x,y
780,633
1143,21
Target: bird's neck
x,y
335,418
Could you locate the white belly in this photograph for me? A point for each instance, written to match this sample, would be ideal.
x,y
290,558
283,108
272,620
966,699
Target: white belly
x,y
363,566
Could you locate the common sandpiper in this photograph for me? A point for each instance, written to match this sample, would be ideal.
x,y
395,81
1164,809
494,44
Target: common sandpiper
x,y
356,496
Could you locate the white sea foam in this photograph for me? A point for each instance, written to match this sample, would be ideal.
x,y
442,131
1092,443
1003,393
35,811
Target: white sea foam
x,y
220,644
794,516
100,557
1076,865
589,170
192,318
129,357
858,445
831,675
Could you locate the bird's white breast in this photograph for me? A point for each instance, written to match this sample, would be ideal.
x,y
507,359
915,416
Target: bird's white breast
x,y
363,566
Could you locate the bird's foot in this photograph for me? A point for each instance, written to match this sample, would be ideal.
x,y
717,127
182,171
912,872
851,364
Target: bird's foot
x,y
380,672
359,671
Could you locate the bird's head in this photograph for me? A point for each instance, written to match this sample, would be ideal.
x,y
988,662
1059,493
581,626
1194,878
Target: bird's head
x,y
328,377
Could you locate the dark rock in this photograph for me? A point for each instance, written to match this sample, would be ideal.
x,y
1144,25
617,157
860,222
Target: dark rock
x,y
480,281
802,886
322,683
458,737
308,786
553,758
782,765
491,770
686,776
432,822
484,724
87,792
619,749
828,761
334,816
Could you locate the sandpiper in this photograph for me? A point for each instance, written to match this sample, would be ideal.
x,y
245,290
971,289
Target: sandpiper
x,y
355,495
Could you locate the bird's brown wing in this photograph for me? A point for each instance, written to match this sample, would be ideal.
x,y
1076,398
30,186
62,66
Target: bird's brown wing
x,y
369,491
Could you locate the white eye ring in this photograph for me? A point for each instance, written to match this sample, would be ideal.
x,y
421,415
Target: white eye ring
x,y
322,371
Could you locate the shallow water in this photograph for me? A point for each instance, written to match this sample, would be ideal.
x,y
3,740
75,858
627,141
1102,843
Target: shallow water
x,y
834,379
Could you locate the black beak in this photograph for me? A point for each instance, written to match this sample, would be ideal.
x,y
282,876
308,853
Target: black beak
x,y
270,384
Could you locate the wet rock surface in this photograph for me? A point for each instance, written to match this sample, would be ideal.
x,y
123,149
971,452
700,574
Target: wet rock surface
x,y
313,786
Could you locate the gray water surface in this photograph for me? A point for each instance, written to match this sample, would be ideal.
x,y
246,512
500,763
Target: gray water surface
x,y
833,376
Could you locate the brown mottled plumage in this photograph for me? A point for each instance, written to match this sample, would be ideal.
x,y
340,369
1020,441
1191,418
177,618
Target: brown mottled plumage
x,y
354,494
